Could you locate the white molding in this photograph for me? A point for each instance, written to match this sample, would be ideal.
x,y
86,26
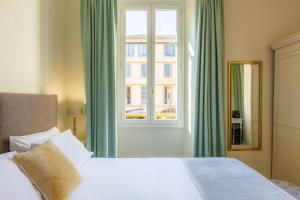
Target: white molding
x,y
294,38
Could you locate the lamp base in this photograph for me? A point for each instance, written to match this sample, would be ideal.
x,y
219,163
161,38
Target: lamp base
x,y
74,126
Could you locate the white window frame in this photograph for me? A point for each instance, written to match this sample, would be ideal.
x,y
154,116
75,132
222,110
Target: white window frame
x,y
150,7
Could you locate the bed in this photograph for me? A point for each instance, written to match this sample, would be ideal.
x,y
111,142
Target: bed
x,y
143,178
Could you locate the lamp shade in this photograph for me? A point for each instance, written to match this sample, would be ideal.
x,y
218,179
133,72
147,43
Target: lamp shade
x,y
75,110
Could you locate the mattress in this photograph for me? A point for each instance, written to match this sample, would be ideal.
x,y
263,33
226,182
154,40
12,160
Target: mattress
x,y
173,179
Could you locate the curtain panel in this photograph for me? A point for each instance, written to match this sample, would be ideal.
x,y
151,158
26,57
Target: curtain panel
x,y
237,85
209,116
98,35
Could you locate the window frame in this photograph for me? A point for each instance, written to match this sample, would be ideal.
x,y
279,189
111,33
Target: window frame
x,y
150,7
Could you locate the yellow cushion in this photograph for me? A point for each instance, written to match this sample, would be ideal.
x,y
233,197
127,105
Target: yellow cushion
x,y
49,170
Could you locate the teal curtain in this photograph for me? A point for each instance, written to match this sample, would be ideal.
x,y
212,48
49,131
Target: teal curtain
x,y
238,88
237,95
209,117
98,35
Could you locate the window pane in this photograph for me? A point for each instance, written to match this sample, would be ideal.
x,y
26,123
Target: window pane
x,y
169,50
142,50
136,64
167,70
128,69
168,95
143,70
165,64
128,95
129,50
143,95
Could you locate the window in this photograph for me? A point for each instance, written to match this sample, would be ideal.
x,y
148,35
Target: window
x,y
128,95
154,31
169,50
143,95
142,50
129,50
143,70
128,70
167,95
167,70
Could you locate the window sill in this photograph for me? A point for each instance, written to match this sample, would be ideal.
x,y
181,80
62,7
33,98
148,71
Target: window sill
x,y
141,125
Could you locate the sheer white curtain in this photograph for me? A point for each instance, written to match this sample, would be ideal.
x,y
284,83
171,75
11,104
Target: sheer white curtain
x,y
247,103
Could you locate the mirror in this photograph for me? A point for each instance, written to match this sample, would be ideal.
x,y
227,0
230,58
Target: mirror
x,y
244,105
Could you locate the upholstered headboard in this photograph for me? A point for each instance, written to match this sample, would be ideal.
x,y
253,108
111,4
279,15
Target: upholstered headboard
x,y
22,114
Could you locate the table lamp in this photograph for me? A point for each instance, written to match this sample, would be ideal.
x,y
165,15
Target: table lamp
x,y
75,111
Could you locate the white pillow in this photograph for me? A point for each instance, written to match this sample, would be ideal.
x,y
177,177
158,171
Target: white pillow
x,y
8,155
14,184
23,143
72,148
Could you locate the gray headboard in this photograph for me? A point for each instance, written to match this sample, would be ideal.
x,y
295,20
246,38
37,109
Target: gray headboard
x,y
22,114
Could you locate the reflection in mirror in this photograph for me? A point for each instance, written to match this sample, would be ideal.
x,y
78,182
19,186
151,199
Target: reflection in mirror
x,y
245,105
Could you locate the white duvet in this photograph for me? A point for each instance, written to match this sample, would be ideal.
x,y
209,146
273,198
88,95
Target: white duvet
x,y
173,179
135,179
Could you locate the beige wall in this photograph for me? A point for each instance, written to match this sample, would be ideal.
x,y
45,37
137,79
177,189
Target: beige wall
x,y
74,74
20,46
31,53
248,36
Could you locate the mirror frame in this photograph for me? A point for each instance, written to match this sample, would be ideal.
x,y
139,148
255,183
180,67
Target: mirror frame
x,y
229,120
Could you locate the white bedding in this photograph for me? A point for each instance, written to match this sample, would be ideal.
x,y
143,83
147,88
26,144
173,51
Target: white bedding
x,y
173,179
135,179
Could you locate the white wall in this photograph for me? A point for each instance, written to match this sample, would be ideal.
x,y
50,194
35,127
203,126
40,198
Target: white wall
x,y
150,142
31,53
